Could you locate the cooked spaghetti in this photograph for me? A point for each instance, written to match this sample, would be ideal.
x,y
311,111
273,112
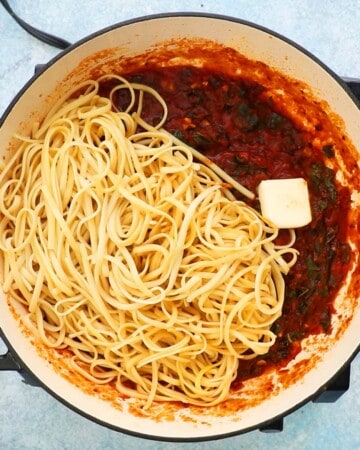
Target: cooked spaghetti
x,y
134,255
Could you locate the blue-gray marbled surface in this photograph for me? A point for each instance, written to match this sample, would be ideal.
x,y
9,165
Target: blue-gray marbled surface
x,y
30,418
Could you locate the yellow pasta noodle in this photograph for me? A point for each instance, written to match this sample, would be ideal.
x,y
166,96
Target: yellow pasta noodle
x,y
134,255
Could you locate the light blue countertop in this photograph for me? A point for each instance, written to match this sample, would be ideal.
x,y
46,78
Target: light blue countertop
x,y
30,418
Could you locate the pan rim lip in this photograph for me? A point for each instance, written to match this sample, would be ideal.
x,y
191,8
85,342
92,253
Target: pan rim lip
x,y
28,84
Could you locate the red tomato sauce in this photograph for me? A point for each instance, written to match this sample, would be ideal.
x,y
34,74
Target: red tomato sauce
x,y
237,125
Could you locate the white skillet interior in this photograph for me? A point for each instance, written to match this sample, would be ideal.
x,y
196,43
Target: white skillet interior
x,y
132,38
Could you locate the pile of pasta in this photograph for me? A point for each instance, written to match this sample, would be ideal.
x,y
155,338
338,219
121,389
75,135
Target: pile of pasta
x,y
137,257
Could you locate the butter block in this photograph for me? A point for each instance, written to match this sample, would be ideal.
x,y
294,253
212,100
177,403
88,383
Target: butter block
x,y
285,202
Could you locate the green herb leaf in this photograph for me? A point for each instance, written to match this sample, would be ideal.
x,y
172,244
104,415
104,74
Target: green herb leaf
x,y
329,151
275,120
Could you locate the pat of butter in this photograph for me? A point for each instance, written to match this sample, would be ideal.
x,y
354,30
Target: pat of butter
x,y
285,202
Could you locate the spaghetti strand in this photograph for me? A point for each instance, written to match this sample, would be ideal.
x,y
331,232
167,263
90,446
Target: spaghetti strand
x,y
129,249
